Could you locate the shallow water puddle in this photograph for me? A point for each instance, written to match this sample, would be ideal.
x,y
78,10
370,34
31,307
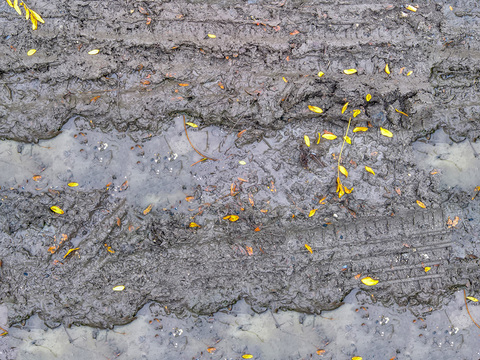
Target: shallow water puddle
x,y
457,164
369,331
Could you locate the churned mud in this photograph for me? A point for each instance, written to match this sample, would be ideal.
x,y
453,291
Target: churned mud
x,y
149,215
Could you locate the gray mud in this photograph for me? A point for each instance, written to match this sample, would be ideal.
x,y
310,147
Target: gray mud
x,y
113,123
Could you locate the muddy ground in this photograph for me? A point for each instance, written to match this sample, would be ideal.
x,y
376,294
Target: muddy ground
x,y
113,123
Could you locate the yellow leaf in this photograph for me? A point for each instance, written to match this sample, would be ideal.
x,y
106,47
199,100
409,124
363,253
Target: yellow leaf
x,y
242,162
344,108
247,356
347,139
411,8
385,132
118,288
307,140
421,204
427,268
37,17
10,3
357,358
387,69
320,73
401,112
451,8
340,188
27,11
211,36
72,184
348,191
319,137
312,212
231,217
343,170
329,136
369,281
34,22
211,350
350,71
321,201
410,73
93,52
57,210
284,79
192,124
471,298
17,8
369,169
69,252
368,97
315,109
147,210
31,52
194,225
356,113
360,128
309,248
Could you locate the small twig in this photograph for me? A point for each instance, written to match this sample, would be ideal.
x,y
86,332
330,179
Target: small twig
x,y
466,305
193,147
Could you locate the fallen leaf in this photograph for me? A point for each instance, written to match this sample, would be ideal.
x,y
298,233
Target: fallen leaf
x,y
183,84
285,79
247,356
399,192
451,8
385,132
369,169
93,52
329,136
427,268
387,69
72,184
147,210
421,204
453,223
320,73
357,358
57,210
109,249
241,133
360,128
221,85
321,201
410,73
357,276
369,281
401,112
344,108
249,250
240,179
347,139
307,140
295,32
343,170
118,288
347,190
257,229
149,21
31,52
356,113
17,9
264,211
368,97
320,352
315,109
192,124
211,350
194,225
471,298
312,212
231,217
350,71
10,3
34,22
211,36
189,198
309,248
36,177
250,200
241,162
411,8
69,252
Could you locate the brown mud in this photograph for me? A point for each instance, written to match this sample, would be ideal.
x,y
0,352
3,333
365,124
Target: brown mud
x,y
133,92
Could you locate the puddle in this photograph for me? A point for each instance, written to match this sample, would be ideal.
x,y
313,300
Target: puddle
x,y
370,331
458,164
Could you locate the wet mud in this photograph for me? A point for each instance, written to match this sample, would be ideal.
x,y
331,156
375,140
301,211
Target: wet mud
x,y
113,123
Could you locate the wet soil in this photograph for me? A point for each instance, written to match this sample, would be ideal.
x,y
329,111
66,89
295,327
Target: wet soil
x,y
113,122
